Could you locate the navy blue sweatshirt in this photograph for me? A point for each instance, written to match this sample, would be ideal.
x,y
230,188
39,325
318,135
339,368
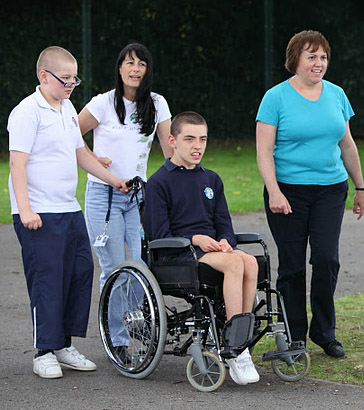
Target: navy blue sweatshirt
x,y
186,202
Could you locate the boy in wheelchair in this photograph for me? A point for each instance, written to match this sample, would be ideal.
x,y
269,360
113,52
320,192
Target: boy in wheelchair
x,y
183,199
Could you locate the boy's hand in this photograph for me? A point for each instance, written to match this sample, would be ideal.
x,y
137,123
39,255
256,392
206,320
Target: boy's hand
x,y
30,219
225,246
206,243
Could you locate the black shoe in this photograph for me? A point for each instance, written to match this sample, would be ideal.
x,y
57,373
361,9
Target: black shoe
x,y
333,349
123,354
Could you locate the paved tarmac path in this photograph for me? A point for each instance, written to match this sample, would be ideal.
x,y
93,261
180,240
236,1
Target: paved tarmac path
x,y
167,387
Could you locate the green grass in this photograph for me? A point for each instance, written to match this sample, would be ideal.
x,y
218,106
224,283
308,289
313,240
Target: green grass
x,y
350,332
236,164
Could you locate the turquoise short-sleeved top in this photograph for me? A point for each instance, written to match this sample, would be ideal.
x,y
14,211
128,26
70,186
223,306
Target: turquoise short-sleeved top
x,y
307,148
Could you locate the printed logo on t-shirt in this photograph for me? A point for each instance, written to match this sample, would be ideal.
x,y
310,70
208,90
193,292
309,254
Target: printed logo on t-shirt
x,y
133,118
209,193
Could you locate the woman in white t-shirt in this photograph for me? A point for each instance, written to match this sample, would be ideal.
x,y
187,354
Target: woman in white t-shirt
x,y
124,121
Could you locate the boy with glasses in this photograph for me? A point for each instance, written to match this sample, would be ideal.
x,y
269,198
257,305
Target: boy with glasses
x,y
45,147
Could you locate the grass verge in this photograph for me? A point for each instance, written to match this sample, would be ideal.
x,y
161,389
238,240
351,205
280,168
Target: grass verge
x,y
236,164
350,332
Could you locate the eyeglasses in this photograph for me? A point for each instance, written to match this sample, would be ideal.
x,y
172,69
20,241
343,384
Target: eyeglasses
x,y
66,83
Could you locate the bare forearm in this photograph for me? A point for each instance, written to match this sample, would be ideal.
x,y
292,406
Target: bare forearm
x,y
18,161
267,170
88,149
163,131
266,135
352,164
19,182
90,164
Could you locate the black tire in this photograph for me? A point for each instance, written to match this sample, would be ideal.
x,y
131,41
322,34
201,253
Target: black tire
x,y
143,319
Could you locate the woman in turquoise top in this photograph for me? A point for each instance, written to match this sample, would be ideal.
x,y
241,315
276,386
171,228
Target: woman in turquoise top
x,y
305,152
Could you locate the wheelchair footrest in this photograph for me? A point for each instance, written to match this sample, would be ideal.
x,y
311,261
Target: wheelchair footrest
x,y
237,334
296,348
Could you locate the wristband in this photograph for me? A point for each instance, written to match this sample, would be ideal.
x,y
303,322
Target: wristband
x,y
359,189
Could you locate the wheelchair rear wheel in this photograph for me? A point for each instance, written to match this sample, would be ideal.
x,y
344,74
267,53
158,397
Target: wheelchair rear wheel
x,y
214,376
132,320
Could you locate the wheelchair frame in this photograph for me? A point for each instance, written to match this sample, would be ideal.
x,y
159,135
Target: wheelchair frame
x,y
133,302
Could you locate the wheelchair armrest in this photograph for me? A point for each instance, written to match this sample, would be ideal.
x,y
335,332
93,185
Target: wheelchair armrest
x,y
250,237
176,243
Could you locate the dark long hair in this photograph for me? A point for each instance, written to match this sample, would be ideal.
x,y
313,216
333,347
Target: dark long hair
x,y
144,103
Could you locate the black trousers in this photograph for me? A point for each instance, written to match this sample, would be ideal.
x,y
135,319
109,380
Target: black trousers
x,y
317,214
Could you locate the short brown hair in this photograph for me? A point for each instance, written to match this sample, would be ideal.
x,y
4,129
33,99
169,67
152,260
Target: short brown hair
x,y
49,58
304,40
187,117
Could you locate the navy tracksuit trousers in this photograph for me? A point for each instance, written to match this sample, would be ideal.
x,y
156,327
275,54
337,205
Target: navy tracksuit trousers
x,y
58,267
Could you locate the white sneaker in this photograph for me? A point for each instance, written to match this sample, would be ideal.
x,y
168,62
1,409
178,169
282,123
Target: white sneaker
x,y
71,358
47,366
242,369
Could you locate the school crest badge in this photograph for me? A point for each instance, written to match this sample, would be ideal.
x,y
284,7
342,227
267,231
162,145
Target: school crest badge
x,y
209,193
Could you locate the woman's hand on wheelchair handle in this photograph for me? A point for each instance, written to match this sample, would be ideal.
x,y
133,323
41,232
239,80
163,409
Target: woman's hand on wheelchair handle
x,y
124,188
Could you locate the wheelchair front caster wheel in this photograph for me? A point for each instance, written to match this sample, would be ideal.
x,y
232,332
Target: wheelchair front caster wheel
x,y
214,377
296,370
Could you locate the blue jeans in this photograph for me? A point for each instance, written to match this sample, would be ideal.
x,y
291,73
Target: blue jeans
x,y
123,228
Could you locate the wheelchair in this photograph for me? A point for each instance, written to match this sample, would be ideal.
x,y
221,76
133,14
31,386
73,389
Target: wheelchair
x,y
177,308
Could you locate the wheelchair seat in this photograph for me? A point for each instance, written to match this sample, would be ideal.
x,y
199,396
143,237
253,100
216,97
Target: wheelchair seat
x,y
177,277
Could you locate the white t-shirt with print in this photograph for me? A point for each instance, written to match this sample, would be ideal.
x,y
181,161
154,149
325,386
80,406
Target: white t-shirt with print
x,y
51,138
123,144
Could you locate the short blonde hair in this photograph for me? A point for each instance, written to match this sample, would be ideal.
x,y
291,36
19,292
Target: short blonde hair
x,y
50,57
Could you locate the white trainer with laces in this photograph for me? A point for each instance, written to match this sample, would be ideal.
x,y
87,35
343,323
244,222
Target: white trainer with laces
x,y
47,366
71,358
242,369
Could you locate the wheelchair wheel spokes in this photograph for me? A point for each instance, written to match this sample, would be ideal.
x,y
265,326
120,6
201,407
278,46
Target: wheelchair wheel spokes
x,y
293,369
214,376
132,314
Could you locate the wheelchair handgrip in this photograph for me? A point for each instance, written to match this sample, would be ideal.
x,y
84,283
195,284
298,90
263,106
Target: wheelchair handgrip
x,y
129,183
134,181
250,237
177,242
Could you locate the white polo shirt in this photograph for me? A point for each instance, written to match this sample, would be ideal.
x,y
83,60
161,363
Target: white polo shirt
x,y
51,138
123,144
